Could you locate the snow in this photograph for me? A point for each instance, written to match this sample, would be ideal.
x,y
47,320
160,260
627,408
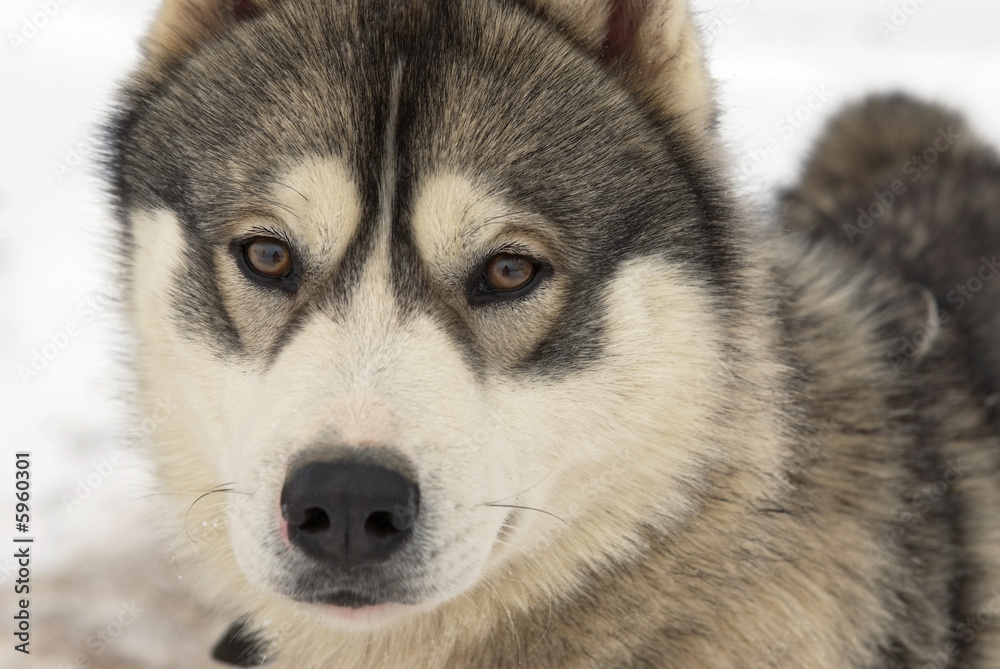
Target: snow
x,y
774,53
55,267
770,57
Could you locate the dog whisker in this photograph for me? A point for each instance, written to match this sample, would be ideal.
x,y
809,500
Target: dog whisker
x,y
526,508
217,490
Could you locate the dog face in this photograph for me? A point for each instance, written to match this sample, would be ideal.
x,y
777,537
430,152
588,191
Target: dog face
x,y
428,282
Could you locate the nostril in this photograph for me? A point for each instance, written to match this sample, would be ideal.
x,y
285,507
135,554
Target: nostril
x,y
316,521
380,524
383,524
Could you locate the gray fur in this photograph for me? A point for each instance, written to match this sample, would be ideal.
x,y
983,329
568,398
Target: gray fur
x,y
838,504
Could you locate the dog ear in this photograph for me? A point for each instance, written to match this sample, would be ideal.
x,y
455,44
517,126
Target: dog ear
x,y
653,44
181,25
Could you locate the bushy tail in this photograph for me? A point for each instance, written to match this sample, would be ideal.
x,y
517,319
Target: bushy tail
x,y
910,188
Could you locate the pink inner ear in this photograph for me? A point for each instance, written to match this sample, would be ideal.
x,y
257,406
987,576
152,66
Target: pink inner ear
x,y
622,27
243,9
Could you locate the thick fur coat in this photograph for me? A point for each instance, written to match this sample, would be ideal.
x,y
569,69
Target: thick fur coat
x,y
685,443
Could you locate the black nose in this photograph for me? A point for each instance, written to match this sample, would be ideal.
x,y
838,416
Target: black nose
x,y
348,512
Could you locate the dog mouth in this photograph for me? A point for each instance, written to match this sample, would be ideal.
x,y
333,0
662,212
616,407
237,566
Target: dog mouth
x,y
369,591
346,599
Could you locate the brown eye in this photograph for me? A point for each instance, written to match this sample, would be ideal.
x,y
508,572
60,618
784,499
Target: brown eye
x,y
268,257
506,277
508,272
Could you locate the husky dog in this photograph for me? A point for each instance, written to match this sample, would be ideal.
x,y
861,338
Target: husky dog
x,y
478,364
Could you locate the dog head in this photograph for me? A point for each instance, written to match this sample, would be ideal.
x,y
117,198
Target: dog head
x,y
430,282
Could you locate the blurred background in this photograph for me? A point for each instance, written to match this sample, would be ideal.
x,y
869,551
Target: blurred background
x,y
783,67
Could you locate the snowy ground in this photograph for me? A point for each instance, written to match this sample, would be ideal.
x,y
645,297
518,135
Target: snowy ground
x,y
60,61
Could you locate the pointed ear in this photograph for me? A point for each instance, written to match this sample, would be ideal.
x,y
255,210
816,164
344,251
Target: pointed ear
x,y
654,44
181,25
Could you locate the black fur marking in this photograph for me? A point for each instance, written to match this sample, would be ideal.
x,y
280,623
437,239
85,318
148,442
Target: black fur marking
x,y
241,646
892,655
244,9
928,466
176,150
195,297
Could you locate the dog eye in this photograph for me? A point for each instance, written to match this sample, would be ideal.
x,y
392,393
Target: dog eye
x,y
505,277
268,257
508,273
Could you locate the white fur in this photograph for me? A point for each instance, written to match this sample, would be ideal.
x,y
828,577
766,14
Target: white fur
x,y
631,428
